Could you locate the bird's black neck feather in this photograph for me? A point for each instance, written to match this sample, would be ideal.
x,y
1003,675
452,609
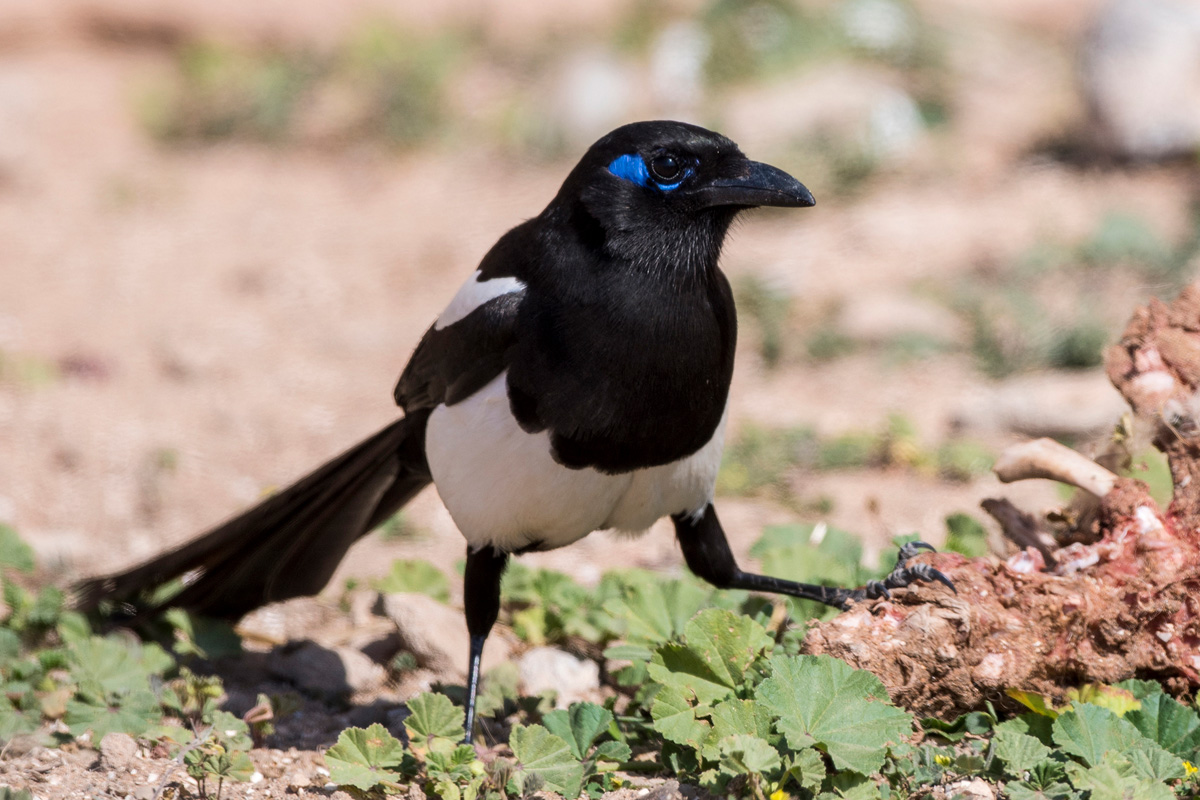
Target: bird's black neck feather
x,y
625,345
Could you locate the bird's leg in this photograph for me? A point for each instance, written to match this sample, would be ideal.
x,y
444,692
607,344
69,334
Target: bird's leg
x,y
707,554
481,596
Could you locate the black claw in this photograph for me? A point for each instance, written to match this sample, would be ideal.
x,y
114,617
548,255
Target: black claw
x,y
918,546
903,575
942,579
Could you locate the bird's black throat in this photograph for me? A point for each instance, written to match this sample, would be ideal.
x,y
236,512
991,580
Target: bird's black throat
x,y
625,350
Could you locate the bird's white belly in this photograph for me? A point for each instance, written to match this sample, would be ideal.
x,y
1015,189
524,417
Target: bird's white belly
x,y
503,487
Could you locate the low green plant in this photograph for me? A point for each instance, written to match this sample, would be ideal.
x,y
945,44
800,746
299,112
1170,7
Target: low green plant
x,y
760,458
966,535
414,576
389,87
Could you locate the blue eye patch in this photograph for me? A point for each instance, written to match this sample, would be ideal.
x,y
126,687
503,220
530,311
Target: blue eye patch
x,y
632,167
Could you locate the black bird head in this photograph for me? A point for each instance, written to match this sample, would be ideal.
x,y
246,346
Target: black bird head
x,y
652,189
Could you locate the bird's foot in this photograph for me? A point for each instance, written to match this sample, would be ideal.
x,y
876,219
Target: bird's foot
x,y
904,575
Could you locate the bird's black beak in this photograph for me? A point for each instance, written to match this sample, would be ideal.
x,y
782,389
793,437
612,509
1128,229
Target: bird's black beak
x,y
755,184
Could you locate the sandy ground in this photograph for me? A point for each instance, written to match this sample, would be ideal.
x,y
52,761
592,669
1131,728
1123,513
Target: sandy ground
x,y
221,319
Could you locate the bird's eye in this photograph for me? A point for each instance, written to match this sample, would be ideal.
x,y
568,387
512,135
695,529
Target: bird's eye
x,y
666,168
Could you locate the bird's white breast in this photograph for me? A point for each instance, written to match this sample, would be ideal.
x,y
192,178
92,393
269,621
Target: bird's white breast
x,y
503,487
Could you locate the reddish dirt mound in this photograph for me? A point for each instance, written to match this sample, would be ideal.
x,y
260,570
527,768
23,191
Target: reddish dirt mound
x,y
1123,602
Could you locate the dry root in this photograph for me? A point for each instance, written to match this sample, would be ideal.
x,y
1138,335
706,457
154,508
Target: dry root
x,y
1050,617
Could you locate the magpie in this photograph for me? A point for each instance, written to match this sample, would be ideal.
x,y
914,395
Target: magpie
x,y
578,381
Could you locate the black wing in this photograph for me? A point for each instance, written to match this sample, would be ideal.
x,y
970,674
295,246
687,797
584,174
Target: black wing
x,y
453,363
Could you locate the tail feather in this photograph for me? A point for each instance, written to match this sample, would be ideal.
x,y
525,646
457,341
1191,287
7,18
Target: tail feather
x,y
288,545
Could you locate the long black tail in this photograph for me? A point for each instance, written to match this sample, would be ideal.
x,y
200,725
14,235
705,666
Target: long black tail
x,y
288,545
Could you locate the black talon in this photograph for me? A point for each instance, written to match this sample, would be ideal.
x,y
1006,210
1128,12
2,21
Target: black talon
x,y
909,549
903,575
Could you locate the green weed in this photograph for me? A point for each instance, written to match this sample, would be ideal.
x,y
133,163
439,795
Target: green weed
x,y
382,85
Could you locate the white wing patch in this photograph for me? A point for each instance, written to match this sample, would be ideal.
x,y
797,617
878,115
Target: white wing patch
x,y
473,294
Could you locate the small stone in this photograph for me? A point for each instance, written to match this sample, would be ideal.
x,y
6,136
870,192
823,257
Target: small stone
x,y
117,752
574,679
437,636
144,792
668,791
338,670
974,789
291,620
1140,78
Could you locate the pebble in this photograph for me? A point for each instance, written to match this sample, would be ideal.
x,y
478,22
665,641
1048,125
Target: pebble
x,y
574,679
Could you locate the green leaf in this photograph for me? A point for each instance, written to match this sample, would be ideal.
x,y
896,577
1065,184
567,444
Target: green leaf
x,y
807,769
720,646
452,764
414,576
1114,780
112,665
976,723
14,552
1114,698
1140,689
653,611
202,636
612,751
1156,764
675,718
1019,752
747,755
73,627
1037,703
539,752
579,726
732,717
1022,790
434,716
15,720
628,652
1170,724
365,759
232,731
1088,732
822,701
1036,725
10,645
965,534
131,713
851,786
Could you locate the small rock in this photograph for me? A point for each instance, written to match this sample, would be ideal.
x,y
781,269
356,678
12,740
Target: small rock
x,y
573,678
145,792
291,620
974,789
668,791
117,752
437,635
327,669
1141,77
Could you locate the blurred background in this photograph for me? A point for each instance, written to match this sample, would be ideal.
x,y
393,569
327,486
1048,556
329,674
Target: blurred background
x,y
224,226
